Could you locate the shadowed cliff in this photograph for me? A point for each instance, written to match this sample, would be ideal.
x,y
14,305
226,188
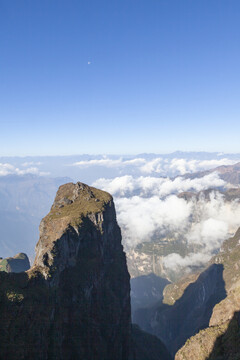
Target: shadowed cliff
x,y
146,290
192,312
147,347
220,339
74,303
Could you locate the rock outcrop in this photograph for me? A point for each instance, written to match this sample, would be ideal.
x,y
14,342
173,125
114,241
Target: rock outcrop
x,y
74,303
221,338
17,263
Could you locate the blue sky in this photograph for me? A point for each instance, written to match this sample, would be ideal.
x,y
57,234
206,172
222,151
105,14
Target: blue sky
x,y
119,76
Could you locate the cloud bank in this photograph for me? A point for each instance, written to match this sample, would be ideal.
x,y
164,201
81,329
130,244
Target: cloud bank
x,y
201,222
212,222
152,186
141,218
9,169
111,162
148,207
158,166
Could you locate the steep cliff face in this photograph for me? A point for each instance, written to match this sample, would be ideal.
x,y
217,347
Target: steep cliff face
x,y
209,301
220,339
146,291
74,302
147,347
190,313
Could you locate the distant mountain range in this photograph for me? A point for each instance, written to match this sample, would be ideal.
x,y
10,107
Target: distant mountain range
x,y
89,168
228,173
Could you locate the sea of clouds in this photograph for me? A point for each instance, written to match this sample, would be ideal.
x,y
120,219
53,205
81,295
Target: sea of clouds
x,y
87,168
159,165
127,186
147,206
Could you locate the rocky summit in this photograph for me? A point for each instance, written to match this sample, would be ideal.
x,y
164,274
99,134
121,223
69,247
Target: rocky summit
x,y
74,303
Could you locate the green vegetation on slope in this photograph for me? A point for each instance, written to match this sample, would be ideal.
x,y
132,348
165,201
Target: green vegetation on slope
x,y
220,341
18,263
77,205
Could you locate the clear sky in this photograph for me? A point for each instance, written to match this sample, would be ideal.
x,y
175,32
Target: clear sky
x,y
119,76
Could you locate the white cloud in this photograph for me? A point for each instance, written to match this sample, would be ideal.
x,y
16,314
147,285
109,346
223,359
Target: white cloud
x,y
200,222
147,208
213,221
6,169
110,162
151,186
209,164
176,166
176,262
31,163
9,169
204,224
156,166
147,205
141,218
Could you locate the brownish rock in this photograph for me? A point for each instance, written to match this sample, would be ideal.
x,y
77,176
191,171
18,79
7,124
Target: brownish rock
x,y
221,339
74,303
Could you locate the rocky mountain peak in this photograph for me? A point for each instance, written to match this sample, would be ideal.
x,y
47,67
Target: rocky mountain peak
x,y
76,208
74,303
70,193
77,294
